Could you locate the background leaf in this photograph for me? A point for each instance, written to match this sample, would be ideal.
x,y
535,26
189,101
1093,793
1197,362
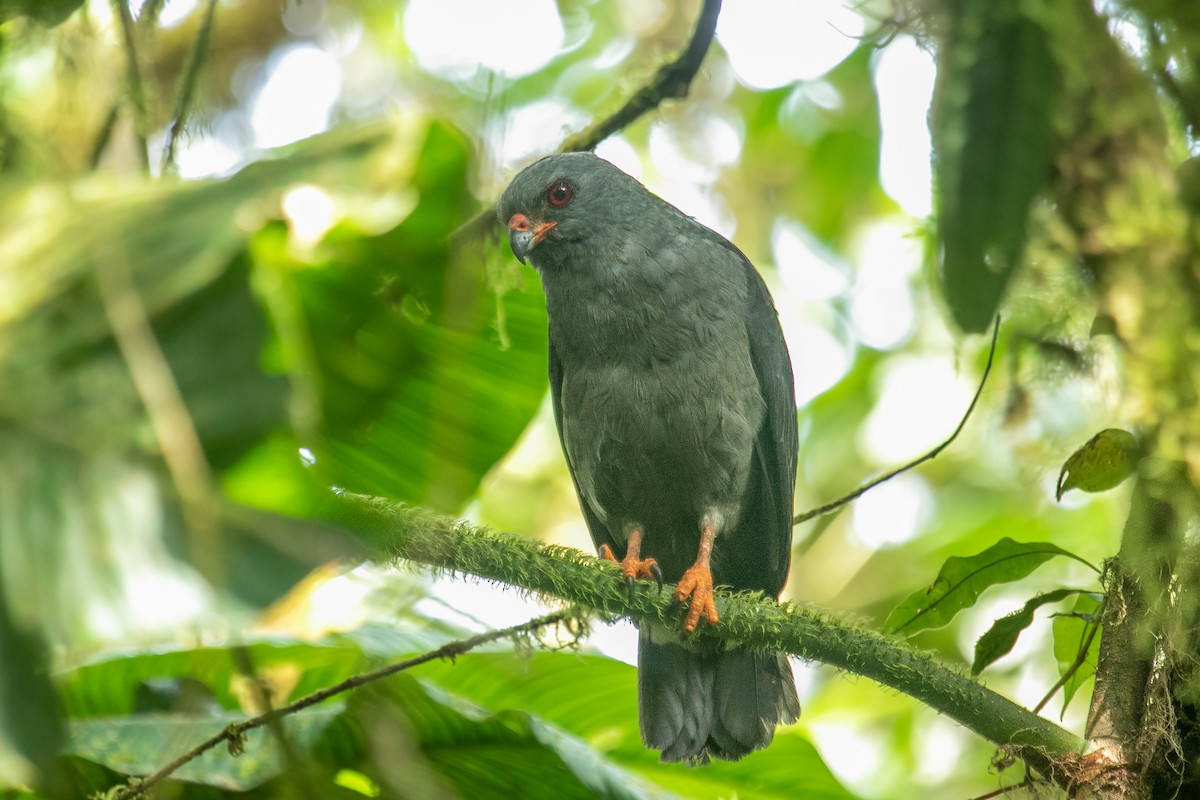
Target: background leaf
x,y
962,579
424,375
542,724
997,85
47,12
31,725
595,698
138,744
82,482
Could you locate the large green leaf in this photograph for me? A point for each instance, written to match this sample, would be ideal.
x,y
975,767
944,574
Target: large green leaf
x,y
486,723
47,12
997,85
139,744
595,698
451,742
110,686
31,726
177,243
961,580
424,377
86,494
505,753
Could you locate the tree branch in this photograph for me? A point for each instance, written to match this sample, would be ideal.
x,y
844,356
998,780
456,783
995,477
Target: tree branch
x,y
672,80
762,624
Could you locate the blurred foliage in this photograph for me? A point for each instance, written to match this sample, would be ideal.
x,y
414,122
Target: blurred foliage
x,y
997,82
47,12
189,365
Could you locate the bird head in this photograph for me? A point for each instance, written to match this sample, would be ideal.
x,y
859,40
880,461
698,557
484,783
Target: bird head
x,y
554,205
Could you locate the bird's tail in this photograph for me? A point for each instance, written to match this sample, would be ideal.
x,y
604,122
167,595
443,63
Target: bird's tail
x,y
693,705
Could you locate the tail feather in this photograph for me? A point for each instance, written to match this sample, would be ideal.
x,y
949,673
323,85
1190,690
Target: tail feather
x,y
675,709
694,705
752,693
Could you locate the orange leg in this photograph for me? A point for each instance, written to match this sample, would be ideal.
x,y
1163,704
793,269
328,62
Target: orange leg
x,y
697,583
633,566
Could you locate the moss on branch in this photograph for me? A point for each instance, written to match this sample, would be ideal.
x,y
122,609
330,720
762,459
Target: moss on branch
x,y
418,535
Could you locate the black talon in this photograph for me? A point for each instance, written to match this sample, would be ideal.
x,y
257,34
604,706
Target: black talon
x,y
630,583
656,571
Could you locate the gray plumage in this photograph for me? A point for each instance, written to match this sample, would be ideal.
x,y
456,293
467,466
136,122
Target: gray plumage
x,y
672,392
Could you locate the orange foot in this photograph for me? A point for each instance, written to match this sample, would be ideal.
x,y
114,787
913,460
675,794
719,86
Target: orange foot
x,y
633,568
697,584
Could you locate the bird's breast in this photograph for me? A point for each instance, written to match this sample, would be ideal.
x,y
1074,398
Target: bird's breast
x,y
668,438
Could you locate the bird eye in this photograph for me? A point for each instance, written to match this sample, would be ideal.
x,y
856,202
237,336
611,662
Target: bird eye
x,y
559,193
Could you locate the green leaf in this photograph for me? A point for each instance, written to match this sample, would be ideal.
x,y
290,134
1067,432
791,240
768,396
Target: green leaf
x,y
1000,638
506,753
80,458
139,744
110,686
595,698
478,753
47,12
233,402
1076,642
423,375
31,725
961,581
448,724
179,242
993,141
1103,463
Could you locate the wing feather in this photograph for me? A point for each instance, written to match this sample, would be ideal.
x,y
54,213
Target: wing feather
x,y
599,531
762,554
777,447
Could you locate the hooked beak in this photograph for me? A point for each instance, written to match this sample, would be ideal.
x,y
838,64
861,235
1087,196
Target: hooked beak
x,y
524,235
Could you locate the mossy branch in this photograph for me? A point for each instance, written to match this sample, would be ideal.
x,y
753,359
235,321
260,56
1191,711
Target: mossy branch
x,y
418,535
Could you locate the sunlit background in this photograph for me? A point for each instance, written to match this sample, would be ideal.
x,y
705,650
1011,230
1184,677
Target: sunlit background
x,y
841,240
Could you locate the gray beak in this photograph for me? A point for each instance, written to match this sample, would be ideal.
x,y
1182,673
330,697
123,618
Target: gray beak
x,y
520,242
524,235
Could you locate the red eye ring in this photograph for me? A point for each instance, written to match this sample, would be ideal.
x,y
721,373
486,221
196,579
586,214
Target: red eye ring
x,y
559,193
